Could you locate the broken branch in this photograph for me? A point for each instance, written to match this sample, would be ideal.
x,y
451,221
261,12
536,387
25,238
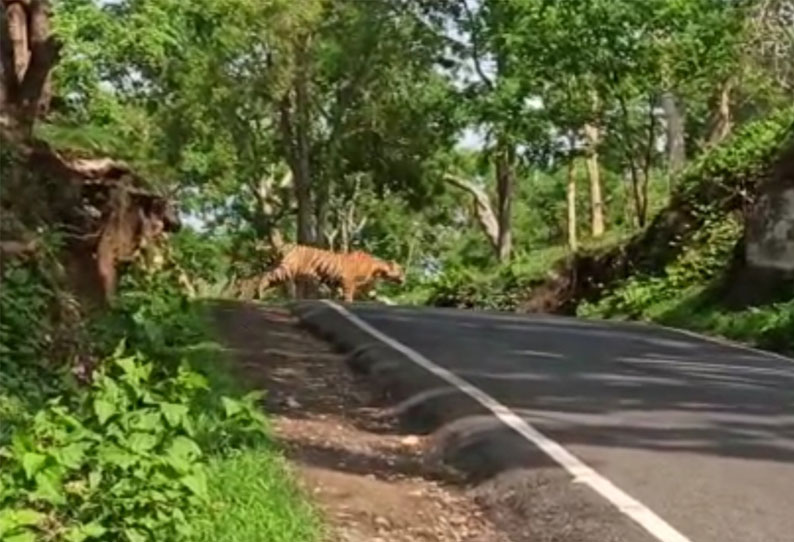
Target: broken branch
x,y
482,207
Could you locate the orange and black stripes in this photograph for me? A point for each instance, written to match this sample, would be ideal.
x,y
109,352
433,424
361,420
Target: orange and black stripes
x,y
352,270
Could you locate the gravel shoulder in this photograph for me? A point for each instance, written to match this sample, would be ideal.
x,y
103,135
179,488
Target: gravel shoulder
x,y
370,480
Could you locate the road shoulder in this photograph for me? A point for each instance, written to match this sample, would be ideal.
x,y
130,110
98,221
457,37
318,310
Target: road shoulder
x,y
370,480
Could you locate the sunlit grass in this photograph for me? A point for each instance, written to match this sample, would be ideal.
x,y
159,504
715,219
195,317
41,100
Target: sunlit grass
x,y
254,498
767,326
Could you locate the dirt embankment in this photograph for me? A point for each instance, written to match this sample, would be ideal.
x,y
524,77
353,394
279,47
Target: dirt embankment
x,y
585,276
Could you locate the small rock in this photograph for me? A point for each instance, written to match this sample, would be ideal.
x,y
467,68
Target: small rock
x,y
291,402
410,440
457,519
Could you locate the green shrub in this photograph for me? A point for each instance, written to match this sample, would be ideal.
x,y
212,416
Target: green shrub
x,y
768,326
703,260
712,190
25,336
124,458
734,168
119,464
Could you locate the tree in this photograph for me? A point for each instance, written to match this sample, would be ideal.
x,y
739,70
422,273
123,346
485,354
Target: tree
x,y
385,115
573,237
499,93
593,138
28,52
344,96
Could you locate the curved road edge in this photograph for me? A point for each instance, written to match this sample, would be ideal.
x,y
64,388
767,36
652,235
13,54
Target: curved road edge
x,y
427,399
394,376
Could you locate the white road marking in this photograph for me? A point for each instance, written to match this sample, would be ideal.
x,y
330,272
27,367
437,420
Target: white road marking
x,y
625,503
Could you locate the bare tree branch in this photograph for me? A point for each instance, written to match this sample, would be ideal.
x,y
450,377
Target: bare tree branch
x,y
482,207
475,47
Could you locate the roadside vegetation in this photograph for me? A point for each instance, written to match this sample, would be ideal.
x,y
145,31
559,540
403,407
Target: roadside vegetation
x,y
609,159
700,285
159,445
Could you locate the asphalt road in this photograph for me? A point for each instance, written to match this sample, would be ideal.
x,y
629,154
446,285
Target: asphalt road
x,y
699,432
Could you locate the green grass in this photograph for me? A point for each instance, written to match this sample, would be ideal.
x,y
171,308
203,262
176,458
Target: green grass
x,y
253,494
536,263
254,498
695,308
768,326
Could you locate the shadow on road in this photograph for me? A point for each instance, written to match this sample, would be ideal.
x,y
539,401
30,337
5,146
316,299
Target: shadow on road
x,y
597,384
581,383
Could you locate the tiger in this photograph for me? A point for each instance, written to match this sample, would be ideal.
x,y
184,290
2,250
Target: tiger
x,y
354,271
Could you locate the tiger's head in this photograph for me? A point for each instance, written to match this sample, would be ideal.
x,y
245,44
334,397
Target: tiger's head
x,y
391,271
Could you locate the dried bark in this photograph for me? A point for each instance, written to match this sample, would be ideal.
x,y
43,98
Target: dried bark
x,y
105,211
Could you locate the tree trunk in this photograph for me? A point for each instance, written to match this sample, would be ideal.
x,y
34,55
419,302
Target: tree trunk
x,y
640,166
594,174
647,162
322,238
722,122
344,243
505,181
675,131
307,232
637,196
28,53
295,136
571,197
269,208
302,172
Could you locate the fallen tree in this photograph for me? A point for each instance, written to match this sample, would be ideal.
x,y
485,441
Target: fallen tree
x,y
102,211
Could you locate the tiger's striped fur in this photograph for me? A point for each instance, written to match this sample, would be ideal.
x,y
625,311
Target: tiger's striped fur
x,y
353,271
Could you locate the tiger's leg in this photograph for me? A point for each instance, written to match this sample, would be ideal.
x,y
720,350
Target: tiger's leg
x,y
230,286
261,287
366,289
308,284
349,290
282,274
292,289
